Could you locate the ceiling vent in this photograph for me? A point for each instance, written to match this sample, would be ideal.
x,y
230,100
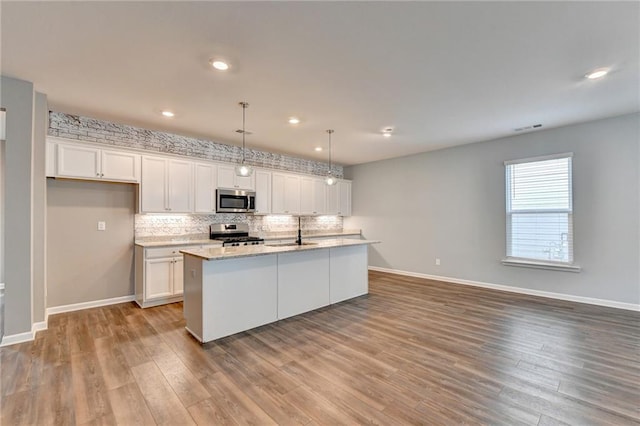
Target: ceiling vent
x,y
533,127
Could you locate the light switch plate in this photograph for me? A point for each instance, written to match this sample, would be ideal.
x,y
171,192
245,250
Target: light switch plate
x,y
102,226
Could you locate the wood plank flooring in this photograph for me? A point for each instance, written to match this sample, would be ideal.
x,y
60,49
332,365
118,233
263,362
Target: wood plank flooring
x,y
411,352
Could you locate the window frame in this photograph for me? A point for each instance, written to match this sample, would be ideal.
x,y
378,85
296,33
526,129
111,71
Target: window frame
x,y
534,262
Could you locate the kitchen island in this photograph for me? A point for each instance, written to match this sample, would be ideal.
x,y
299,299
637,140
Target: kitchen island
x,y
232,289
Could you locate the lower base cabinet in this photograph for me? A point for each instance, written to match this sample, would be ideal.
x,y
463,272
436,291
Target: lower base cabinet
x,y
303,282
163,277
159,275
227,296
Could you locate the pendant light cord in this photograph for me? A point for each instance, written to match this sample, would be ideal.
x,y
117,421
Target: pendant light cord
x,y
244,108
330,165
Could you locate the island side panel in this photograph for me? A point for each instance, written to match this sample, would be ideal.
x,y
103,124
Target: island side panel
x,y
192,305
238,294
303,282
349,274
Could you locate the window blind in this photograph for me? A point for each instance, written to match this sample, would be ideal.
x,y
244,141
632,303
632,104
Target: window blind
x,y
539,209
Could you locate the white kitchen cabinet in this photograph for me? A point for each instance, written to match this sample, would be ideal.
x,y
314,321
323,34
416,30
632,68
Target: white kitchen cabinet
x,y
78,161
313,199
166,185
205,184
263,192
178,275
344,203
229,296
87,162
120,166
348,272
285,194
227,178
339,198
303,282
159,273
159,278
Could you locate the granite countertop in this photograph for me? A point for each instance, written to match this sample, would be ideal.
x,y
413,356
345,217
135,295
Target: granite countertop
x,y
261,250
174,242
200,239
308,234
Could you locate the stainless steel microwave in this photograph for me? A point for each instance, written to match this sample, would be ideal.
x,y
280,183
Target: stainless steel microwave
x,y
235,201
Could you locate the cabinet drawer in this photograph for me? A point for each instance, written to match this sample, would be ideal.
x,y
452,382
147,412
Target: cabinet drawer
x,y
155,253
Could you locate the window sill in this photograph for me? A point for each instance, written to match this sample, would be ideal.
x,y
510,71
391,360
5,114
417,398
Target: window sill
x,y
523,263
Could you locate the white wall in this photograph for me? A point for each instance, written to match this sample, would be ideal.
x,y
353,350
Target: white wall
x,y
450,204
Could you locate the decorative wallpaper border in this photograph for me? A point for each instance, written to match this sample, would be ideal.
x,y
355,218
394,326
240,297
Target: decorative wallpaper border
x,y
122,135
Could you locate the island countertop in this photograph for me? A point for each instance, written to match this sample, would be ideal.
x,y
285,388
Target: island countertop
x,y
265,249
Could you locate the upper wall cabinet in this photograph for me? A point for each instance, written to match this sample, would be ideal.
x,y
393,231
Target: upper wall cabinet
x,y
166,185
263,192
227,178
339,198
205,184
87,162
313,199
285,194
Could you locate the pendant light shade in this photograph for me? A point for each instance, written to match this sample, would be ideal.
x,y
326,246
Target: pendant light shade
x,y
243,169
330,179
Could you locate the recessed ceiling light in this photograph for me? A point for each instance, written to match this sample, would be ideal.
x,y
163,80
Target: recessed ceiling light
x,y
294,120
219,65
597,73
386,135
386,132
168,114
318,148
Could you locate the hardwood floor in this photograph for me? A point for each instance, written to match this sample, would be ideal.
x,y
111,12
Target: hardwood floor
x,y
411,352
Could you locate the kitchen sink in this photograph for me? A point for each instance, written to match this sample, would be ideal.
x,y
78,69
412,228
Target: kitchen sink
x,y
304,243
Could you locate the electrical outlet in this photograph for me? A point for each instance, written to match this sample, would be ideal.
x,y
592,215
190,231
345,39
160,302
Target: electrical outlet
x,y
102,226
437,262
193,273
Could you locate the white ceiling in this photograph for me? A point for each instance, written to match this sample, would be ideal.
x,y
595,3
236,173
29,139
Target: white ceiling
x,y
441,74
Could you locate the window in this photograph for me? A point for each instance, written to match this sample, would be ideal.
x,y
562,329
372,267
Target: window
x,y
539,211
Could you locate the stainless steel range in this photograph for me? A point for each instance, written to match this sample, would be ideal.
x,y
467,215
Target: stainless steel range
x,y
233,234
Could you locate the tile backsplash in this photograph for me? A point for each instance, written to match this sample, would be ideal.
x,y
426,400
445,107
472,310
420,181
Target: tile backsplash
x,y
151,225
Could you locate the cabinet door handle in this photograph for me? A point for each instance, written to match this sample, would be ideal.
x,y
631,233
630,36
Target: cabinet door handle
x,y
97,174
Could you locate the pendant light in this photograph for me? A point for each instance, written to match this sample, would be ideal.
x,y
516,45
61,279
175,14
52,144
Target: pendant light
x,y
330,179
243,169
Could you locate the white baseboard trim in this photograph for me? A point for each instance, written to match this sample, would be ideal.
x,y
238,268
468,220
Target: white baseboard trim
x,y
88,305
13,339
24,337
510,289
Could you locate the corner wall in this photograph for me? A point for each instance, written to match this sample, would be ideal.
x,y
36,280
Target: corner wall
x,y
449,204
18,99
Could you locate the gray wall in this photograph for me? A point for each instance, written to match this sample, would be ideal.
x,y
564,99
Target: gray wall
x,y
84,264
40,124
17,97
450,204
